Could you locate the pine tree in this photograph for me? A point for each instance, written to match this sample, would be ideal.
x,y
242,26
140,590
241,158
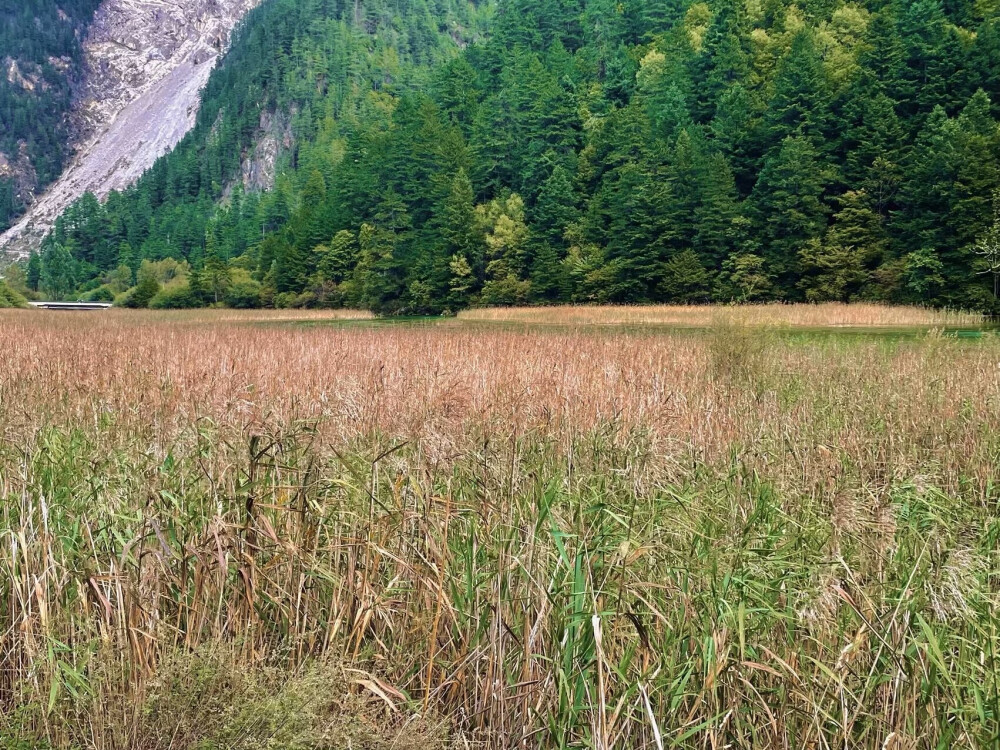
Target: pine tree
x,y
858,227
788,207
457,91
933,58
311,226
291,266
874,132
197,287
926,194
739,130
723,60
744,278
639,233
216,276
714,219
555,210
985,59
338,258
548,280
882,58
34,271
830,272
507,237
801,101
58,273
378,278
457,224
978,172
665,103
685,279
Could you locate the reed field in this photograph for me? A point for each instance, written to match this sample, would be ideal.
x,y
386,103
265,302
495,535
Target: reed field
x,y
825,315
216,534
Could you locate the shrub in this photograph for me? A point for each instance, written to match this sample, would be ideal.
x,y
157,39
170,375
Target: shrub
x,y
174,297
244,295
10,298
284,300
505,292
166,270
307,300
100,294
141,294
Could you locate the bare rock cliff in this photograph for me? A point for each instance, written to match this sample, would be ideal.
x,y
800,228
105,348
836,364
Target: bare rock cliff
x,y
146,63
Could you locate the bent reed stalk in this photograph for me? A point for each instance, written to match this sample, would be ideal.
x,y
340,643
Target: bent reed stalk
x,y
536,539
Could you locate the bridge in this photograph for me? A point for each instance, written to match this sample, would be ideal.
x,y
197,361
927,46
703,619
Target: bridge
x,y
71,305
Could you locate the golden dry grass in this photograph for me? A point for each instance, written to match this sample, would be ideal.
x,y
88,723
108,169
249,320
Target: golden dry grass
x,y
825,315
215,316
548,538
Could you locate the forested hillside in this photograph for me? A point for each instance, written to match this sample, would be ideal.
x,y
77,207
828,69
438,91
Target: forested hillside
x,y
40,51
579,150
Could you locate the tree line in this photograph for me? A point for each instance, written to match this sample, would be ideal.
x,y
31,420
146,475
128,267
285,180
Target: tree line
x,y
543,151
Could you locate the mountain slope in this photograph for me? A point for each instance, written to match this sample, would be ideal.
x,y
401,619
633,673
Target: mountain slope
x,y
144,64
40,61
589,150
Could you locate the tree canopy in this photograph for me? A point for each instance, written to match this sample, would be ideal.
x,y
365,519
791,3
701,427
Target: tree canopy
x,y
445,154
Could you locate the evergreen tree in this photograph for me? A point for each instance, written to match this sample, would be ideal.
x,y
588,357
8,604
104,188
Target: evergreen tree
x,y
291,266
801,101
723,60
831,272
58,273
739,130
639,233
34,271
715,217
788,206
859,228
555,210
338,258
685,279
457,221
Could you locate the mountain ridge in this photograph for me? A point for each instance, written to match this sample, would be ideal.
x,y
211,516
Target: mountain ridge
x,y
145,63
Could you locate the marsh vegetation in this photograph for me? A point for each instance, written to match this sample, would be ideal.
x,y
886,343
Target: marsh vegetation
x,y
222,535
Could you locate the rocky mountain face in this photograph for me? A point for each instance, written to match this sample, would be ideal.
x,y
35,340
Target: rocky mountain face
x,y
145,63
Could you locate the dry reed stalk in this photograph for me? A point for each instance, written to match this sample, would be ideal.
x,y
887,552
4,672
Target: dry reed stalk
x,y
550,538
827,314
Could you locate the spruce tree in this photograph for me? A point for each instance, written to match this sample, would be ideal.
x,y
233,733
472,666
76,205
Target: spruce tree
x,y
555,209
34,271
788,206
801,101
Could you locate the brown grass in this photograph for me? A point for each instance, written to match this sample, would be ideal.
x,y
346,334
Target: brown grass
x,y
826,315
224,316
548,539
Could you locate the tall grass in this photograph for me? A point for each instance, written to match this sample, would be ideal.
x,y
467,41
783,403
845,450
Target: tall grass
x,y
828,314
222,536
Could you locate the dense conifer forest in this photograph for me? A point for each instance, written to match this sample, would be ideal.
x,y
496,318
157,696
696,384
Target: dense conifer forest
x,y
446,154
40,52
